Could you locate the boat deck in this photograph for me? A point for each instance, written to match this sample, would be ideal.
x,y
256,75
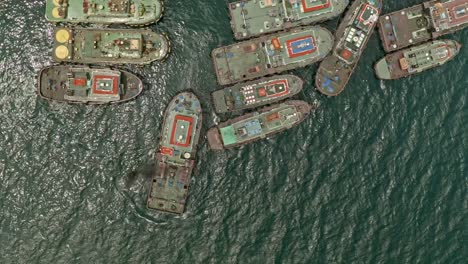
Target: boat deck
x,y
389,67
175,159
416,59
169,186
258,125
256,93
109,45
353,33
136,12
358,32
332,76
447,15
251,18
423,22
87,85
271,54
404,28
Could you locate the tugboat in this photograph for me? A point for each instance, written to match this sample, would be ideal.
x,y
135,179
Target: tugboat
x,y
416,59
252,18
175,159
271,54
256,93
421,23
128,12
116,46
353,33
87,85
258,125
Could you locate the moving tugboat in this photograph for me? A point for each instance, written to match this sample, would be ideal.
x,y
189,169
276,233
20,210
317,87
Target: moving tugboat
x,y
82,84
416,59
251,18
116,46
271,54
176,157
258,125
129,12
420,23
353,34
256,93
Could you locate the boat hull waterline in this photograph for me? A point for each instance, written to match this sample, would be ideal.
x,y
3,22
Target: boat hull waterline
x,y
87,85
175,158
258,125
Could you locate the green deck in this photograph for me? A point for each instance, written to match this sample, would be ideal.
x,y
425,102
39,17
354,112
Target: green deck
x,y
260,125
84,45
131,12
229,135
250,18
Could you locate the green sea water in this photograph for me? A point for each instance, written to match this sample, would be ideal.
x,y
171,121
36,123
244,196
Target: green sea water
x,y
375,175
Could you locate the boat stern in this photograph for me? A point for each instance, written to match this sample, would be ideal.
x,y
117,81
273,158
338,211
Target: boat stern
x,y
221,65
296,84
219,102
382,69
132,86
41,82
302,107
214,139
165,206
305,109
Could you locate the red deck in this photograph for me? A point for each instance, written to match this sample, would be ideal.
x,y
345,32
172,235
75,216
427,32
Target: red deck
x,y
79,81
167,151
115,84
174,129
449,54
286,86
315,7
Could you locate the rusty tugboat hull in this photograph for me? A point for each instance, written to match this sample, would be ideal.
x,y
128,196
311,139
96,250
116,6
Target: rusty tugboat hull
x,y
421,23
416,59
76,84
271,54
175,158
352,36
258,125
256,93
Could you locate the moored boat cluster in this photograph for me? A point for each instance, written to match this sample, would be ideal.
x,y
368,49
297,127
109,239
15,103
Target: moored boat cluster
x,y
88,52
277,36
411,36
